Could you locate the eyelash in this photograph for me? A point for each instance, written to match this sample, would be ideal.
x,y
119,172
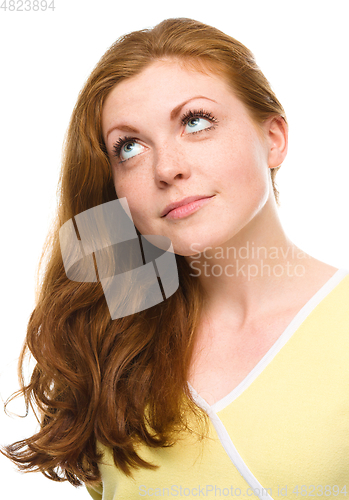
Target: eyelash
x,y
199,113
185,118
121,142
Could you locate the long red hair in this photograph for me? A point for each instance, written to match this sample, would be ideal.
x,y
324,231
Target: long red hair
x,y
118,381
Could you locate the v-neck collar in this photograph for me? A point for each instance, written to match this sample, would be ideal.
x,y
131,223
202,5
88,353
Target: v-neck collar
x,y
293,326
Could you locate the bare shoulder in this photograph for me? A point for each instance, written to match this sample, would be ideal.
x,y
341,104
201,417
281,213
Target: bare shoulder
x,y
316,274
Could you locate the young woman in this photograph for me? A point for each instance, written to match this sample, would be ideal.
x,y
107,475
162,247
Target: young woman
x,y
236,384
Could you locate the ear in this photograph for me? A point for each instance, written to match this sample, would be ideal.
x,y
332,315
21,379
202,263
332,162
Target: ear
x,y
276,132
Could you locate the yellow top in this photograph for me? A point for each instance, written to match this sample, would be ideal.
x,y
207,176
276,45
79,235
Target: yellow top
x,y
282,432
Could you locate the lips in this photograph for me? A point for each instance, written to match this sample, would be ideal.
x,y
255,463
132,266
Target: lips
x,y
185,201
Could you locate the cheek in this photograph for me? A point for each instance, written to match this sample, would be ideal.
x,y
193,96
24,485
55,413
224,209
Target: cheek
x,y
124,190
247,157
130,177
124,186
136,202
242,173
239,166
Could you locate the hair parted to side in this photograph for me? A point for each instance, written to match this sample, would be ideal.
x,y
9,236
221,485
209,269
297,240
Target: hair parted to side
x,y
122,381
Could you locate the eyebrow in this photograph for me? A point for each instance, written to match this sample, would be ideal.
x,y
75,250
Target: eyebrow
x,y
173,115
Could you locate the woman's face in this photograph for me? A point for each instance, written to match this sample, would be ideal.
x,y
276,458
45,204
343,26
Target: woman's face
x,y
173,133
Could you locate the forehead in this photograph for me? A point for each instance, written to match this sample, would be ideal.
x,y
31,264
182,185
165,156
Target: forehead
x,y
164,84
170,75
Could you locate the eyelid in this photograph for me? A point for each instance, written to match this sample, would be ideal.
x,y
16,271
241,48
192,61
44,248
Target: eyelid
x,y
120,143
197,113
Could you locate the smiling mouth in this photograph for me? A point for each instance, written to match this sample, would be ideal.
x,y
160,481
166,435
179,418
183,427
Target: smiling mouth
x,y
188,209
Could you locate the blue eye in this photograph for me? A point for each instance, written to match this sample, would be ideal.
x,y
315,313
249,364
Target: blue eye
x,y
130,149
197,120
196,124
126,148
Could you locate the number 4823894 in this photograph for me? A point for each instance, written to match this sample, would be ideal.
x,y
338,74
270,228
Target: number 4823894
x,y
27,5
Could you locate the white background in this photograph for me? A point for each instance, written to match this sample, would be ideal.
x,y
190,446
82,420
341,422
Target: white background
x,y
302,48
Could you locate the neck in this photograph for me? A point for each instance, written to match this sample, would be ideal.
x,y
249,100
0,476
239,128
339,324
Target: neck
x,y
253,271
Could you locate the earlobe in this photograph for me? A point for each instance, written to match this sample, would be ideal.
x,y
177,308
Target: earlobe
x,y
277,133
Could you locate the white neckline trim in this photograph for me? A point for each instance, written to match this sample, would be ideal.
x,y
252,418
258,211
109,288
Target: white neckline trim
x,y
234,455
275,348
212,410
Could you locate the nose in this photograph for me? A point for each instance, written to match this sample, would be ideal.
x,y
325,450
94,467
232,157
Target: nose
x,y
170,164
